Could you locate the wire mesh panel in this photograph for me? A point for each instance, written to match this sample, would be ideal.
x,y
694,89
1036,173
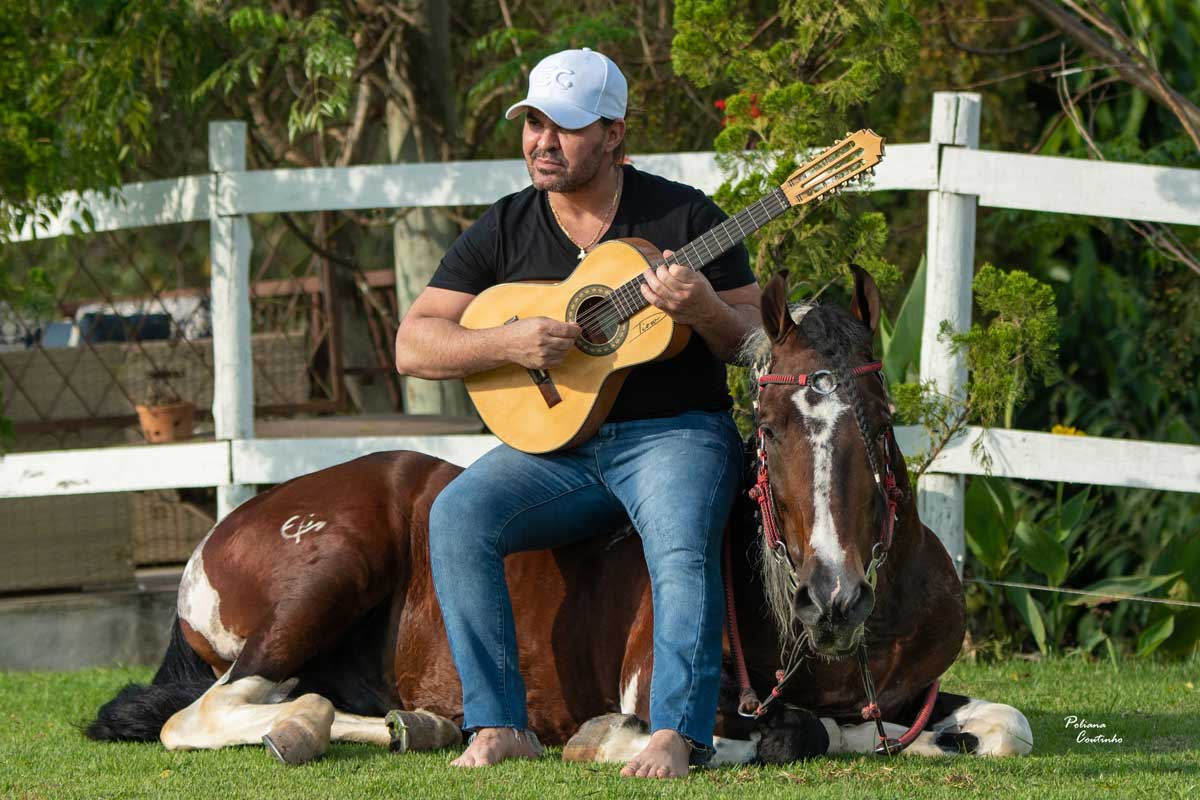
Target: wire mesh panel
x,y
74,541
124,320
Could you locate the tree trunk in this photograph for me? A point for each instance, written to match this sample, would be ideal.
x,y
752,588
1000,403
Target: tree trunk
x,y
424,234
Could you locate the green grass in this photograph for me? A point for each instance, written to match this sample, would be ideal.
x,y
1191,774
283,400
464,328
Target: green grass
x,y
1154,708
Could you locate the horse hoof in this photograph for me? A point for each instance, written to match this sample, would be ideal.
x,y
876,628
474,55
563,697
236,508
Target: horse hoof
x,y
293,743
420,730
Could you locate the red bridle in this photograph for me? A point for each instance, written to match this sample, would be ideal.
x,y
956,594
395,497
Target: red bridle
x,y
825,383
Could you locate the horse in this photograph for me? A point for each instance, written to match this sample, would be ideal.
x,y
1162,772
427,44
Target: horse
x,y
308,614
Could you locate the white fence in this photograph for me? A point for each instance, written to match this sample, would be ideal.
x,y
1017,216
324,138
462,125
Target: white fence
x,y
956,175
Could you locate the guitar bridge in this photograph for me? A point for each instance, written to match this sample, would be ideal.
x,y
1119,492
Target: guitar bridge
x,y
545,385
543,381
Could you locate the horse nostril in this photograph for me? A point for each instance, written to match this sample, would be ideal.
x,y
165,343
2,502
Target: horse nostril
x,y
856,604
805,604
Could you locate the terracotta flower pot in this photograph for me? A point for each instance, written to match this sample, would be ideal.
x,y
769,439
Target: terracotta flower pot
x,y
167,423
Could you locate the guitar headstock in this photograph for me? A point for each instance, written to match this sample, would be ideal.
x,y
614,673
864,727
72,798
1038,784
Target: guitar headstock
x,y
834,167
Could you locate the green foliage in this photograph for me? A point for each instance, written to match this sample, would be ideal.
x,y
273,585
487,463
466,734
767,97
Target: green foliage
x,y
79,84
1019,343
1016,536
789,85
1014,345
315,47
793,84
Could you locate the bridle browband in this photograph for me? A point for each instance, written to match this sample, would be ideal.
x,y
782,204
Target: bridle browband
x,y
825,382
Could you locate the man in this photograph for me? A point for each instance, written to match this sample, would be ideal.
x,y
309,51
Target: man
x,y
668,456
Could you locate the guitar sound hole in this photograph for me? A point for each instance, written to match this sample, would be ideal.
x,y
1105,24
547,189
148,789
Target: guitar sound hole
x,y
599,320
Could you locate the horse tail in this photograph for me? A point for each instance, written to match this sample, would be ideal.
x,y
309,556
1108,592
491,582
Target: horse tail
x,y
138,712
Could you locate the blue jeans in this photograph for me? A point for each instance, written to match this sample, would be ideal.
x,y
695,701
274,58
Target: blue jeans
x,y
674,477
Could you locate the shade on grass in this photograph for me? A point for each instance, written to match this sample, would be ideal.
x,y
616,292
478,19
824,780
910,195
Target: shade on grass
x,y
1153,708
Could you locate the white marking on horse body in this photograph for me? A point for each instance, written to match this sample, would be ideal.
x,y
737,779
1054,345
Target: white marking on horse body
x,y
200,607
734,751
861,738
237,713
825,414
1001,729
304,524
629,695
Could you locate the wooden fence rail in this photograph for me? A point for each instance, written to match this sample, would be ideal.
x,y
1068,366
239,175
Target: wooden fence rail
x,y
958,177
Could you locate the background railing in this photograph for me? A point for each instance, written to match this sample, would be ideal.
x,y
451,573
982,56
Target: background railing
x,y
956,175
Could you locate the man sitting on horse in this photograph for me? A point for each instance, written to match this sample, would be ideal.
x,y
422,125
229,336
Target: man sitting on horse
x,y
668,456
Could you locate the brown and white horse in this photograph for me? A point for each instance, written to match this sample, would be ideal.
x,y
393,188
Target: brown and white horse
x,y
308,614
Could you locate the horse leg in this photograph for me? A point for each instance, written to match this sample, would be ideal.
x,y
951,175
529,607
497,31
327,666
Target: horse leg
x,y
242,711
399,731
963,726
982,728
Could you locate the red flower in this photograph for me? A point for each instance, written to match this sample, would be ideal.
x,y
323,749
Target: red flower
x,y
754,110
720,105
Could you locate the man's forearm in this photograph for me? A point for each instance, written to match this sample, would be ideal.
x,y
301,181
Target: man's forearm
x,y
438,349
724,328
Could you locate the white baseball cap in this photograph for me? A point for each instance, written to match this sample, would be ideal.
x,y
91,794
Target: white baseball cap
x,y
575,88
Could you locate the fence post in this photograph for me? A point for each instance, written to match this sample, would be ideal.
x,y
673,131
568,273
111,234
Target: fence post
x,y
229,246
950,268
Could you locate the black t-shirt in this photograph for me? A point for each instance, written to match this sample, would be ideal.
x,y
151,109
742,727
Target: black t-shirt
x,y
518,239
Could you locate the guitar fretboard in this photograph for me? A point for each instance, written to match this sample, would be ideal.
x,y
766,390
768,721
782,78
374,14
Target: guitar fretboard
x,y
706,248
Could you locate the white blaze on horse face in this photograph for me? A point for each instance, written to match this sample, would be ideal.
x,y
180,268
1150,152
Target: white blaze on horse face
x,y
821,419
200,606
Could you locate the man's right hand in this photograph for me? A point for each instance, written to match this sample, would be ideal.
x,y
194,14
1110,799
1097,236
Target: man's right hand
x,y
540,342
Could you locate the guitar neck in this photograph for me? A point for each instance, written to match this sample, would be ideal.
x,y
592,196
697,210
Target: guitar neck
x,y
709,246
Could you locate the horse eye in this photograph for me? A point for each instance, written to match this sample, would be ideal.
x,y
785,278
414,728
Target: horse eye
x,y
768,434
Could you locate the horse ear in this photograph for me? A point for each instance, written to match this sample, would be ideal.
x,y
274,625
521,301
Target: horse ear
x,y
865,305
777,318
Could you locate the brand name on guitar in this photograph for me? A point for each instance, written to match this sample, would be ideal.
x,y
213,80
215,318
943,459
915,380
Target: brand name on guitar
x,y
646,325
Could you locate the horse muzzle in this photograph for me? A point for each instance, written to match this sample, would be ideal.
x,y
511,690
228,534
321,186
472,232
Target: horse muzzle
x,y
832,608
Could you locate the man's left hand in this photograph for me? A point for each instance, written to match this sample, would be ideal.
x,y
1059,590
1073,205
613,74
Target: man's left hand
x,y
683,293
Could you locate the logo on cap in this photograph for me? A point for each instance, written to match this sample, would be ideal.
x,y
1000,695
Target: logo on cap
x,y
558,75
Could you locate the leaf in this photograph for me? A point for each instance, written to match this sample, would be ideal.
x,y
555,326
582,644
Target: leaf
x,y
1187,633
986,533
903,346
1041,551
1031,612
1109,588
1155,635
1072,513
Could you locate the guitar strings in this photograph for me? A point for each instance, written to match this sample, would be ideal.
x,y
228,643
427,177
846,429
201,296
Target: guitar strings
x,y
608,312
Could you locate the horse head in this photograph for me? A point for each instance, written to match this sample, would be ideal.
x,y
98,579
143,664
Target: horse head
x,y
824,429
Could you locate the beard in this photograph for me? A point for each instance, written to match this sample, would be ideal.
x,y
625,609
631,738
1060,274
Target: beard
x,y
573,175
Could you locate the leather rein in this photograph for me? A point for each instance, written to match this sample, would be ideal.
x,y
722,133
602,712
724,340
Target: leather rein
x,y
823,382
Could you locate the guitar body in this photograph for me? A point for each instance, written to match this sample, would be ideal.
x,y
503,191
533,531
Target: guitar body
x,y
538,412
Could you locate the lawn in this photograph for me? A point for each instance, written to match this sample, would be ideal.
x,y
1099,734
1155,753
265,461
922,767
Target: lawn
x,y
1154,709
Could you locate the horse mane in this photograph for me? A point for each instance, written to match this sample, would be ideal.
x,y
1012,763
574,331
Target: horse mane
x,y
830,330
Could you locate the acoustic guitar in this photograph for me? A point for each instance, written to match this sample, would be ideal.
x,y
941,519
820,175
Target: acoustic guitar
x,y
538,411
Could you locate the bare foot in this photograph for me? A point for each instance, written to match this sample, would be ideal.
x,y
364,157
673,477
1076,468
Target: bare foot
x,y
666,756
493,745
